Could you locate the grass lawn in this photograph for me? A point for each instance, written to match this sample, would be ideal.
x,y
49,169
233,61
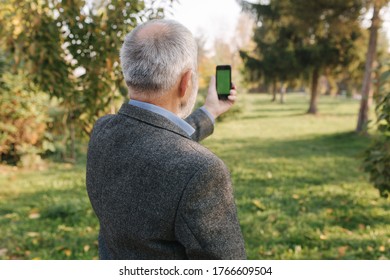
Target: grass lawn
x,y
299,190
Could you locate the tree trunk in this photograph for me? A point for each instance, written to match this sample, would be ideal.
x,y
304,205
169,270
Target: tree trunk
x,y
72,138
65,137
314,92
273,91
370,56
377,84
282,92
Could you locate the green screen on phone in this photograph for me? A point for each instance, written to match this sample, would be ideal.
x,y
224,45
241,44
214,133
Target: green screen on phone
x,y
223,81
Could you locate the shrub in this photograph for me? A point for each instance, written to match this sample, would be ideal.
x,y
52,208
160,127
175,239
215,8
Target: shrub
x,y
377,156
23,115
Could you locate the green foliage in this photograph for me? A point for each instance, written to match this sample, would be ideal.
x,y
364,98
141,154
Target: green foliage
x,y
93,39
24,119
70,50
298,187
377,156
377,163
51,39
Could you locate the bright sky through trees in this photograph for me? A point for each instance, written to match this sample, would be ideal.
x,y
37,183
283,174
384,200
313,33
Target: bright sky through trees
x,y
208,18
218,18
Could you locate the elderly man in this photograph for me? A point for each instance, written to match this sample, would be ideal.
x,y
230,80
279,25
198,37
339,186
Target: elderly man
x,y
157,193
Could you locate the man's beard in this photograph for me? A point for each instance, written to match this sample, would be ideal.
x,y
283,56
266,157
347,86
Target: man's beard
x,y
186,108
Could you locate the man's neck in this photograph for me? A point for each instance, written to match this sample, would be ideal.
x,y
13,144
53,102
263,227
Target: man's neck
x,y
163,101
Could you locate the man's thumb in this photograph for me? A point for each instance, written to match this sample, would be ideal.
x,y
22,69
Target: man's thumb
x,y
212,84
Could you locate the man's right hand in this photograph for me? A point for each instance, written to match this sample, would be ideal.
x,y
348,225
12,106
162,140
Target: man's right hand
x,y
216,106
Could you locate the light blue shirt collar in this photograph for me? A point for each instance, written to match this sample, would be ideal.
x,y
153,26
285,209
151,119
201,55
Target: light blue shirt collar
x,y
165,113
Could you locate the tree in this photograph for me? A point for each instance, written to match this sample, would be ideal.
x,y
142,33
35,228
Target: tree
x,y
322,33
366,93
273,59
327,32
69,49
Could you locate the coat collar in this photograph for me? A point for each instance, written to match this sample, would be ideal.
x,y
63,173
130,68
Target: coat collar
x,y
151,118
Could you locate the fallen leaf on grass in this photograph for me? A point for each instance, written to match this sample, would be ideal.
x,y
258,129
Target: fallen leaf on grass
x,y
34,214
323,237
347,231
64,228
382,248
32,234
258,204
269,175
295,196
89,229
373,202
266,253
329,211
68,252
11,216
342,251
86,248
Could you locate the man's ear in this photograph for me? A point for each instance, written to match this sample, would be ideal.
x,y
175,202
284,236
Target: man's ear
x,y
184,83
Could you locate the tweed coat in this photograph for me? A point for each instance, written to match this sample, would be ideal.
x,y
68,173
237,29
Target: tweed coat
x,y
158,194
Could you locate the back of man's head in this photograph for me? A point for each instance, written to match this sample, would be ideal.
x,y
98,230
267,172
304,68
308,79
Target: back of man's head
x,y
155,55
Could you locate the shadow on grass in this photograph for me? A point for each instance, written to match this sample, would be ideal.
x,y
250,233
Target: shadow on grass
x,y
345,144
69,202
49,224
267,116
344,210
299,103
298,163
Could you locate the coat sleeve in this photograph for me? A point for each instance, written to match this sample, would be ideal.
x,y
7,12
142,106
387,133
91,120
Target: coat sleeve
x,y
206,220
204,127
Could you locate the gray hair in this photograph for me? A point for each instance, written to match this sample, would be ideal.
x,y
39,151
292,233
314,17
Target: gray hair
x,y
153,64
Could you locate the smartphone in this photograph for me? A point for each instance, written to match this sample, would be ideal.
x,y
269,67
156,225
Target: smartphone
x,y
223,81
